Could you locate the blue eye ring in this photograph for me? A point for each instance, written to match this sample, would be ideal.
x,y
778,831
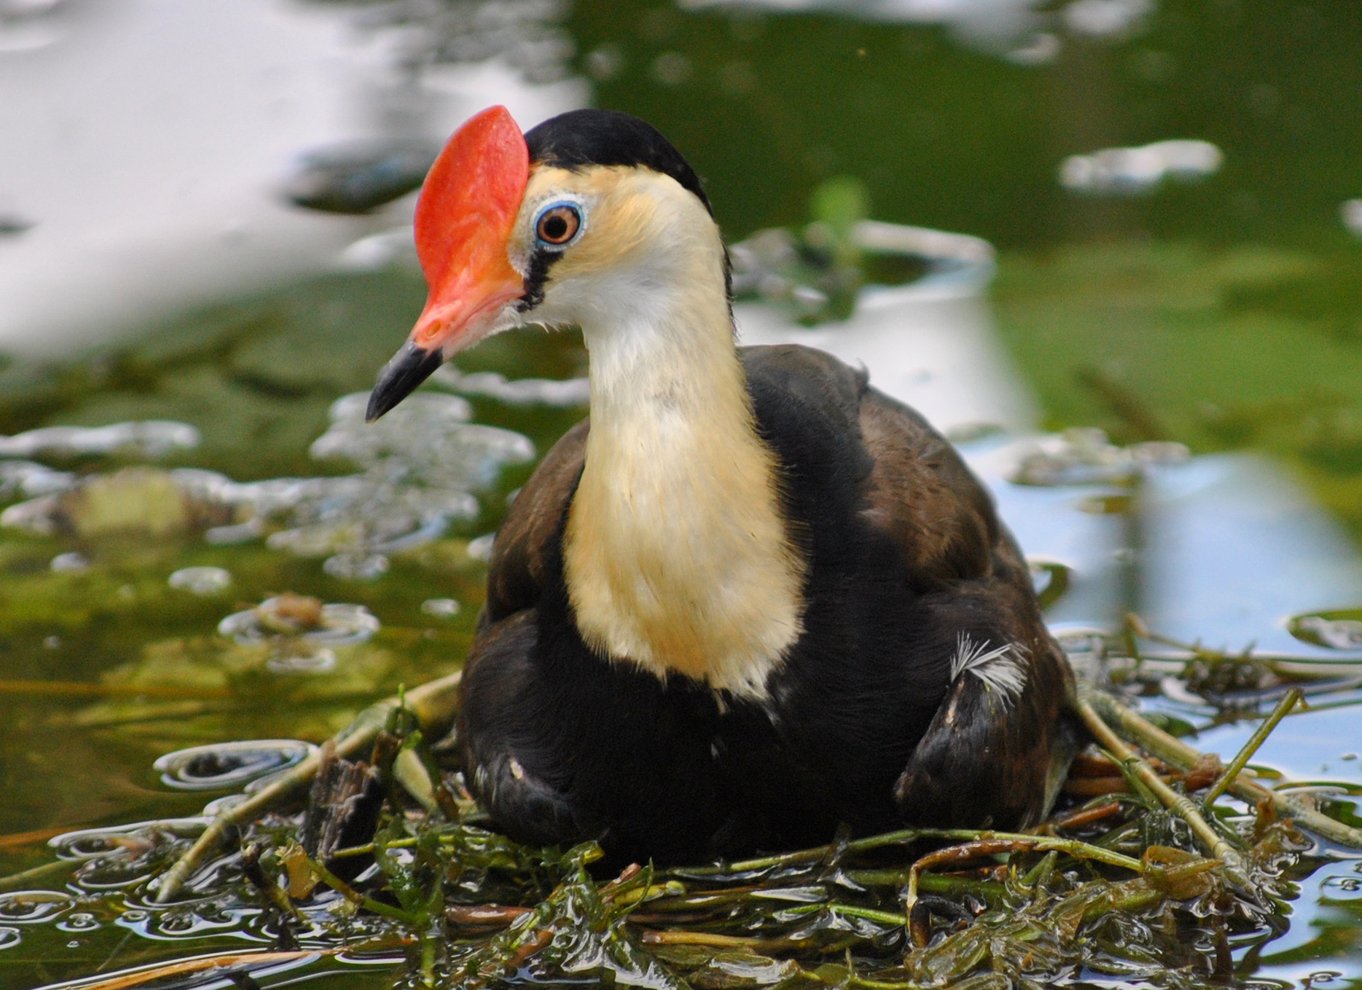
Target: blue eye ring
x,y
558,224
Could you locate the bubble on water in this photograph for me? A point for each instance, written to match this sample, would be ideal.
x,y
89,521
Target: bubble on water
x,y
70,563
201,580
604,63
1351,215
9,937
234,534
224,765
80,921
480,548
442,608
191,920
356,566
379,251
29,906
134,838
126,856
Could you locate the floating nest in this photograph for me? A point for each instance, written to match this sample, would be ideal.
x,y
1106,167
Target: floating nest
x,y
1164,865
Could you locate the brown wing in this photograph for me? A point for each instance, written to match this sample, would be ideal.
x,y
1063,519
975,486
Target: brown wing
x,y
516,575
922,494
916,487
986,757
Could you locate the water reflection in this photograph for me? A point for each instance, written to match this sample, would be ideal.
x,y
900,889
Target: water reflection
x,y
1013,27
163,198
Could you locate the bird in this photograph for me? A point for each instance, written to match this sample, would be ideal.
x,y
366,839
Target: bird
x,y
751,602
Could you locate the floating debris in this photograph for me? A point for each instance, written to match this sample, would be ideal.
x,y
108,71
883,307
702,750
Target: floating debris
x,y
1084,456
419,468
139,500
70,563
819,271
300,631
1051,580
360,176
29,479
1139,170
300,616
150,438
1335,630
201,580
12,224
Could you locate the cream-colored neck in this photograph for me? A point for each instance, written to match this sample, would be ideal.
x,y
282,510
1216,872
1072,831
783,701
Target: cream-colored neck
x,y
677,554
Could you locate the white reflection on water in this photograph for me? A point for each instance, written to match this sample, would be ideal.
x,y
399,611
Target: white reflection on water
x,y
156,135
1012,27
1140,170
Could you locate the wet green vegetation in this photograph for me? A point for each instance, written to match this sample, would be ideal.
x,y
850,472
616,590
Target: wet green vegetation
x,y
1216,348
1116,886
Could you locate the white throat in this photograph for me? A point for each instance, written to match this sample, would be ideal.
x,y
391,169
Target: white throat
x,y
676,552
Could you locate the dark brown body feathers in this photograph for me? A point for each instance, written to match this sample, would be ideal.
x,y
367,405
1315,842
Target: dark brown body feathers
x,y
864,723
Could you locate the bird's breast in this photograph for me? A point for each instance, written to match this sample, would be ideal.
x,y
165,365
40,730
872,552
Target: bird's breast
x,y
676,553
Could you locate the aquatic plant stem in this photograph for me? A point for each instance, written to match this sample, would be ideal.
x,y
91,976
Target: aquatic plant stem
x,y
980,844
906,836
1181,805
1259,736
433,705
1178,753
202,964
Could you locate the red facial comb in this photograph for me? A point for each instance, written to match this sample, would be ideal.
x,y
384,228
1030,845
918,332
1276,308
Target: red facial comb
x,y
468,206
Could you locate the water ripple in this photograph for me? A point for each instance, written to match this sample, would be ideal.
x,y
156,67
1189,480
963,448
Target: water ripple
x,y
29,906
220,766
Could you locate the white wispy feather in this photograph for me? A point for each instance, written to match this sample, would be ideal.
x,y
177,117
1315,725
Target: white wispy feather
x,y
1000,668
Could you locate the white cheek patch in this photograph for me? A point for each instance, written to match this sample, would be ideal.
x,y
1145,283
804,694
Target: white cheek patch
x,y
1001,668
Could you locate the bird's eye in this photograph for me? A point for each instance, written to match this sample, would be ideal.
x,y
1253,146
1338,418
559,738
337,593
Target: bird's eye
x,y
558,224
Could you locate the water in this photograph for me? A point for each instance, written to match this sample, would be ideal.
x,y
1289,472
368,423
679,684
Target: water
x,y
1167,191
